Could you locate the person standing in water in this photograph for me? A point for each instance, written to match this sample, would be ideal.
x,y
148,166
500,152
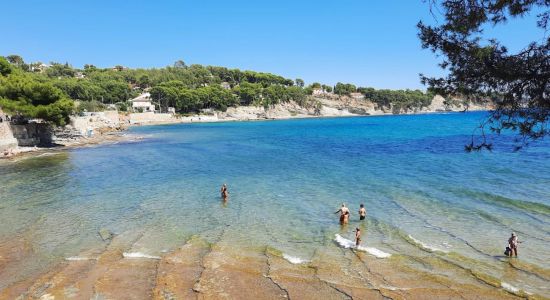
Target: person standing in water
x,y
223,191
513,244
357,236
344,214
362,212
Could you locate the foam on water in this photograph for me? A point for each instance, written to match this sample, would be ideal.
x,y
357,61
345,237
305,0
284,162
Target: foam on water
x,y
79,258
139,255
509,287
350,244
426,246
294,260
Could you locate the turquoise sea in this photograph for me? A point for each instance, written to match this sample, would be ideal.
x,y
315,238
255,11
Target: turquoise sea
x,y
425,196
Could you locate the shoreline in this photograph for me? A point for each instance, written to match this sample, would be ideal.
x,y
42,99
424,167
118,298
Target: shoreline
x,y
121,134
301,117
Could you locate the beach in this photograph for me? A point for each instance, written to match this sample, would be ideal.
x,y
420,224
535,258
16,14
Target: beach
x,y
142,219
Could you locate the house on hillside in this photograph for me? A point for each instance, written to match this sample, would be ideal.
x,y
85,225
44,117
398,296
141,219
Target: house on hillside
x,y
119,68
225,85
39,67
142,103
318,91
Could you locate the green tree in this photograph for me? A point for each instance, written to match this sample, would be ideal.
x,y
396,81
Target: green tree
x,y
89,67
22,93
60,70
481,67
15,60
179,64
299,82
344,88
248,93
143,81
326,88
5,67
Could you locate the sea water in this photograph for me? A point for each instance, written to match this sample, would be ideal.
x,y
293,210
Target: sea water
x,y
423,193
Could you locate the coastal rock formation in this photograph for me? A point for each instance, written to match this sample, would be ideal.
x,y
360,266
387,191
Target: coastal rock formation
x,y
331,105
7,141
219,271
15,136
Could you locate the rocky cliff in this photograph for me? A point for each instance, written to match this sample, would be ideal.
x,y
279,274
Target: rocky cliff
x,y
331,105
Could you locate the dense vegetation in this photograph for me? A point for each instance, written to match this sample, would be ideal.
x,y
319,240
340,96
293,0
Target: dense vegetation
x,y
49,91
26,94
398,99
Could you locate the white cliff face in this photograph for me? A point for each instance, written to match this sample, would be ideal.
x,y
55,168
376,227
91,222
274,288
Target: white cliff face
x,y
8,143
331,106
438,104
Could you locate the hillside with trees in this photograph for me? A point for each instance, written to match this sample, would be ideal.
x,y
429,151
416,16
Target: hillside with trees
x,y
50,91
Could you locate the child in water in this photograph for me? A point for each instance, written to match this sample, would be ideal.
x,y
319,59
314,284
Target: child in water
x,y
357,236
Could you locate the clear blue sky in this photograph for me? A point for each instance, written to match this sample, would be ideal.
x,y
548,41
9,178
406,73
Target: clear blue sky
x,y
368,43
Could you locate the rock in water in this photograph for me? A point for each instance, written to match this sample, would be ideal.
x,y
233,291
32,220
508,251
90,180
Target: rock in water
x,y
105,234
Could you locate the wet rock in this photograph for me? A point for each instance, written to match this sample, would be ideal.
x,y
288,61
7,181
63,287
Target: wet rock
x,y
105,234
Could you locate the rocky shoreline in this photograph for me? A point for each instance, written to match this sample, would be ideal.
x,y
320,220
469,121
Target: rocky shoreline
x,y
104,127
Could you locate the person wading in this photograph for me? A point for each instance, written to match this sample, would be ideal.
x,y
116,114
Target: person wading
x,y
344,214
357,236
362,212
513,244
224,192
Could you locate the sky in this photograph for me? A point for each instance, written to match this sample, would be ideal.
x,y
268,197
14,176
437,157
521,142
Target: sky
x,y
364,42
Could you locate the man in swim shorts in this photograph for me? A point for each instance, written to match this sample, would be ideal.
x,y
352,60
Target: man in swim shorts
x,y
357,236
344,214
362,212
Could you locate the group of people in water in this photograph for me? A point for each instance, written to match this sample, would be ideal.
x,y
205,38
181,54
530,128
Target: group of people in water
x,y
511,250
344,219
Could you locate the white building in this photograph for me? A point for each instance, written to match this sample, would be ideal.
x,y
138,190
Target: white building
x,y
143,103
39,67
318,91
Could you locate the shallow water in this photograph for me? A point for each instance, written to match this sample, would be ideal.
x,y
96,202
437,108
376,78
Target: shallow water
x,y
426,198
